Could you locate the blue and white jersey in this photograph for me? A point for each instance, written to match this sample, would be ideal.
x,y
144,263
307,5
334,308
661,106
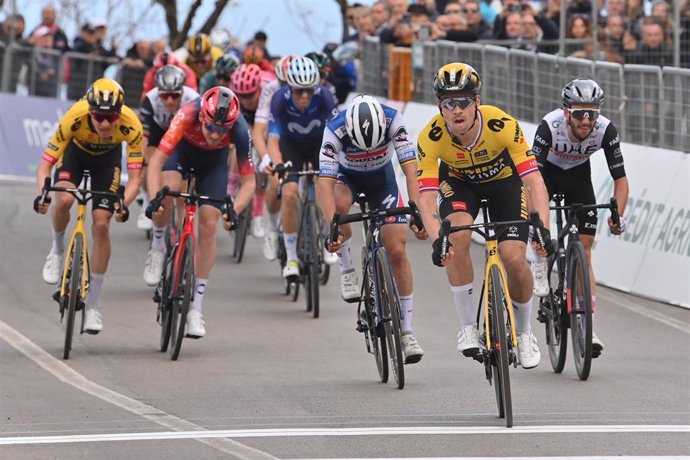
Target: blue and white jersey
x,y
339,154
288,121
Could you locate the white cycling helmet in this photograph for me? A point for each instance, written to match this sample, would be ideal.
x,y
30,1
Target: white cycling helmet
x,y
365,122
282,67
302,73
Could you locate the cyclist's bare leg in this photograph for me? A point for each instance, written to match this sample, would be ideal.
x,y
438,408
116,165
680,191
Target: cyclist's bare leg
x,y
173,180
288,207
100,231
206,256
272,202
343,203
394,238
459,268
588,242
62,203
520,281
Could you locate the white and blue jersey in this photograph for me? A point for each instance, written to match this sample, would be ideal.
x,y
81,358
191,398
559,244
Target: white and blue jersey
x,y
289,122
367,171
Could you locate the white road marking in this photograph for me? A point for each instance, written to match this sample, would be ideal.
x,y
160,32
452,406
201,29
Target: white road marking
x,y
649,313
69,376
365,431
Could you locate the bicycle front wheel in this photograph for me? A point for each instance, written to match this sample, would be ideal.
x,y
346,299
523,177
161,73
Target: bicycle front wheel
x,y
73,281
580,303
500,359
390,315
324,268
241,232
556,315
183,296
165,303
313,247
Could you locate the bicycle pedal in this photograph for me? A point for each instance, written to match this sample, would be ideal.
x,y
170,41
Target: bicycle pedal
x,y
541,317
156,297
354,300
195,337
80,306
56,296
471,352
292,279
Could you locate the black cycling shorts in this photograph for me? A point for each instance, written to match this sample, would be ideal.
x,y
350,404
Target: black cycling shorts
x,y
104,168
577,189
299,153
507,201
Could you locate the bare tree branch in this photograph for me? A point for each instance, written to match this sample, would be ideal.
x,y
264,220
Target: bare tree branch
x,y
343,15
184,32
170,8
214,16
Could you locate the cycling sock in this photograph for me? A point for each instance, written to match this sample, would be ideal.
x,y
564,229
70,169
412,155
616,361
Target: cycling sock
x,y
258,205
290,245
144,199
199,290
462,298
345,257
158,242
58,242
272,221
406,312
523,312
94,294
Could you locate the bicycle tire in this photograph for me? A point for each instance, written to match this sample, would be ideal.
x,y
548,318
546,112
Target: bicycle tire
x,y
500,361
241,233
375,331
557,320
390,312
73,280
580,301
164,305
183,295
314,260
324,268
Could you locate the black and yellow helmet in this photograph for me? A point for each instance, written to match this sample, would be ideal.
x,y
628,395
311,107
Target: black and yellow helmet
x,y
199,46
105,95
456,77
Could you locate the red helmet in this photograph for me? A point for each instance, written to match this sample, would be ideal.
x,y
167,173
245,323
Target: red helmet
x,y
253,55
247,79
165,58
220,106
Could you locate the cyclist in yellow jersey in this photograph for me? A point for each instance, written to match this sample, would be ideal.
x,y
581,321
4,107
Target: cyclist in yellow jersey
x,y
467,152
89,137
200,54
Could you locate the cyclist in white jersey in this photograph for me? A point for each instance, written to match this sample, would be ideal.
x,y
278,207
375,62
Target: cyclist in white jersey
x,y
563,143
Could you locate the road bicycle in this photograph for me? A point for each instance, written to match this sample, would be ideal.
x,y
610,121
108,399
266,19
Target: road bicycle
x,y
498,341
175,290
378,311
239,235
76,274
569,302
310,238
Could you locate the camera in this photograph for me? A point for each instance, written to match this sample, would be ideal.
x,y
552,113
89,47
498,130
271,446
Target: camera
x,y
516,7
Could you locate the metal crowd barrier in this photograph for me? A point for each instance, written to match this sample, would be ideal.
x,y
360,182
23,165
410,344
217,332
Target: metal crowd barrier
x,y
649,105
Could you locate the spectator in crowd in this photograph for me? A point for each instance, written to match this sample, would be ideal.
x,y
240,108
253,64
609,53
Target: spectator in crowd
x,y
552,10
100,27
662,11
615,31
508,7
606,52
48,16
139,55
634,13
351,14
379,15
86,42
652,48
487,11
365,24
613,8
261,40
404,33
158,46
579,27
511,26
452,7
13,30
475,22
538,27
582,7
45,63
343,75
685,34
430,6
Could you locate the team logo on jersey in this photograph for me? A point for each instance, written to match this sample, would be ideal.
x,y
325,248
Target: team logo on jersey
x,y
446,189
60,136
400,135
52,146
497,125
481,154
328,150
65,175
460,155
420,153
76,125
459,205
125,129
435,132
420,172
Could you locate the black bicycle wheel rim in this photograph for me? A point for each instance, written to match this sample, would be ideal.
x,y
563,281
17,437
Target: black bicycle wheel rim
x,y
390,310
375,329
183,295
74,282
500,350
242,232
324,268
581,311
165,303
557,320
314,260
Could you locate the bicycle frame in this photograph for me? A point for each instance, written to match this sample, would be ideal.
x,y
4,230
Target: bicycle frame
x,y
492,259
79,229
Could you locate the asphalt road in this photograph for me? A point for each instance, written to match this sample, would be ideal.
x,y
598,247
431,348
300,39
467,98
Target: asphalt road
x,y
269,381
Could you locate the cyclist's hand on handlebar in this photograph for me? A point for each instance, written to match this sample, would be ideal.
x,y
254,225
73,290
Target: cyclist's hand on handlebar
x,y
333,246
153,209
265,164
542,237
229,218
419,234
41,205
615,229
437,258
121,212
279,169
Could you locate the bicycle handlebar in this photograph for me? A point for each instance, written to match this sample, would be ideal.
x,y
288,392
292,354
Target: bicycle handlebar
x,y
612,206
82,195
411,209
228,207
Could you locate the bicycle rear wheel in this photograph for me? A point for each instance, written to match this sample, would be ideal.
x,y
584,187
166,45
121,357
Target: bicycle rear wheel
x,y
556,316
183,296
580,301
313,246
374,331
165,302
324,268
390,313
73,281
500,359
241,232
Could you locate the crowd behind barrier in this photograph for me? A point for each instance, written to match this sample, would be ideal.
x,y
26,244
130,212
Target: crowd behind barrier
x,y
650,105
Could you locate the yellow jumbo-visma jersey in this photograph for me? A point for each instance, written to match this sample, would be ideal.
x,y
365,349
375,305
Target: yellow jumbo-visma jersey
x,y
76,126
498,153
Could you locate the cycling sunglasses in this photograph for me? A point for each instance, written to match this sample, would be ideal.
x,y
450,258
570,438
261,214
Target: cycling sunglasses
x,y
100,117
172,96
300,91
462,102
216,129
581,114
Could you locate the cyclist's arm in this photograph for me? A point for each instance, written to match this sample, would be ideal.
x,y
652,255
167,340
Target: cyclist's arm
x,y
614,159
57,144
428,184
243,147
328,173
537,196
275,126
542,143
154,170
405,152
135,154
